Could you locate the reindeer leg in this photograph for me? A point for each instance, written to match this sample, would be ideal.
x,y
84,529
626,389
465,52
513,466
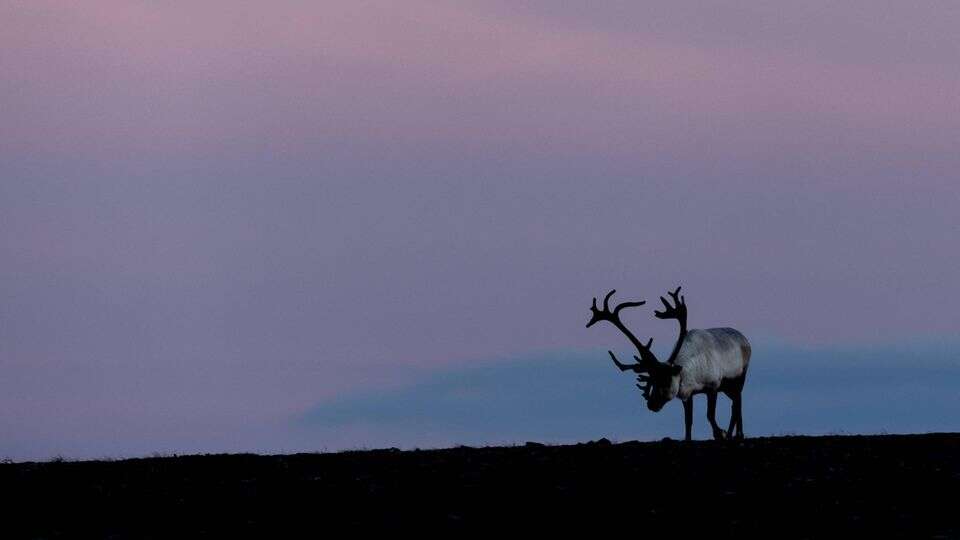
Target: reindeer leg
x,y
734,399
712,415
688,417
737,413
734,390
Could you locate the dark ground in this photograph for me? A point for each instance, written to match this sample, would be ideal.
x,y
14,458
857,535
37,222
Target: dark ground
x,y
812,487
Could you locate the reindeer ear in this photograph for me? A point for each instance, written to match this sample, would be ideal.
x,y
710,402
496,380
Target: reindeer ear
x,y
675,369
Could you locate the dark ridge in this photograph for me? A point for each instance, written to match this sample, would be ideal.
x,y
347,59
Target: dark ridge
x,y
891,485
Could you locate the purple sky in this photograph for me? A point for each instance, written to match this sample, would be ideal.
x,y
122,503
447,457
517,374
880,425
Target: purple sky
x,y
216,215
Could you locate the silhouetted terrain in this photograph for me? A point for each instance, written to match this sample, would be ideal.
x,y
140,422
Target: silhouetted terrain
x,y
786,486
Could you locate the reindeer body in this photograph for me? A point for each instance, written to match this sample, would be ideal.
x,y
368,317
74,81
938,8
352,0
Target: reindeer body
x,y
710,358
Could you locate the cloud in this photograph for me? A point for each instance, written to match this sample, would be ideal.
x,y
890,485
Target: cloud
x,y
576,395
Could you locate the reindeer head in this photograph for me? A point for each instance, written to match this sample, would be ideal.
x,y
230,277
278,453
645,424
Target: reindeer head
x,y
658,381
660,385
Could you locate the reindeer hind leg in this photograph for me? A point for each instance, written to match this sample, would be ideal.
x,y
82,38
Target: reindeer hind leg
x,y
734,398
739,404
738,414
734,390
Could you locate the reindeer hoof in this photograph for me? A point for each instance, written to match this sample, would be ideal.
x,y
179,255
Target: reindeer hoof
x,y
719,435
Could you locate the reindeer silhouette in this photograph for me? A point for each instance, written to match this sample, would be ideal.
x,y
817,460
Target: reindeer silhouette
x,y
702,362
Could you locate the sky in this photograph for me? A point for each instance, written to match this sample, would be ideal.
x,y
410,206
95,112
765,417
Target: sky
x,y
293,226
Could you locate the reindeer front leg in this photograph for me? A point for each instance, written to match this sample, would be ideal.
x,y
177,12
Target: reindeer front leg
x,y
712,415
688,417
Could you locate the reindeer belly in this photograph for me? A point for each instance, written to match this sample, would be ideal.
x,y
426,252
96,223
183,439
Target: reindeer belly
x,y
731,368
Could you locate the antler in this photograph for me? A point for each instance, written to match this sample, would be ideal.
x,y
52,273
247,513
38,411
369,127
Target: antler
x,y
643,383
640,368
677,311
613,317
636,368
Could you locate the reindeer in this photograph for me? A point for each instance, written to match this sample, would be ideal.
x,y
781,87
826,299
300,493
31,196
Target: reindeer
x,y
702,362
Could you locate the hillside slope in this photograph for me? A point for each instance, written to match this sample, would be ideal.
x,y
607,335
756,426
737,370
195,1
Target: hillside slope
x,y
791,486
